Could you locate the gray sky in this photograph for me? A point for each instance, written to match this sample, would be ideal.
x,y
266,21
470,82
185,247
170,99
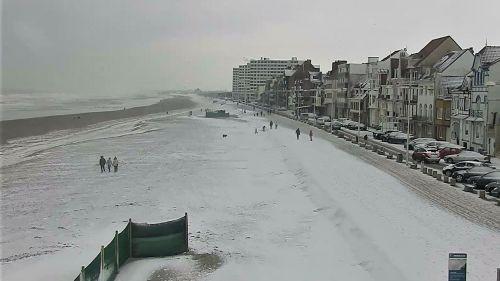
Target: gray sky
x,y
118,46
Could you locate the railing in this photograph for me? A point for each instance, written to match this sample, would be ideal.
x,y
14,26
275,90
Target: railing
x,y
476,113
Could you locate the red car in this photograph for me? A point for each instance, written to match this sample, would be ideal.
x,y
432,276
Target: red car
x,y
421,154
448,151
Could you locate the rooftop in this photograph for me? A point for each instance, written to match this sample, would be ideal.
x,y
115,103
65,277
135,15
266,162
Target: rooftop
x,y
448,59
489,54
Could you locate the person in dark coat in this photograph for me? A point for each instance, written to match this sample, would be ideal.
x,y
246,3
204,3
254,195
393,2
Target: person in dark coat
x,y
298,133
271,124
310,135
102,163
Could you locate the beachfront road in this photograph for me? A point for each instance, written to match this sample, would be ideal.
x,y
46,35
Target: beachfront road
x,y
270,206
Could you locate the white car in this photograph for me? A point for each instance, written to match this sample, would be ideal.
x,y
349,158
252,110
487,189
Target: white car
x,y
419,141
466,156
433,144
464,165
323,119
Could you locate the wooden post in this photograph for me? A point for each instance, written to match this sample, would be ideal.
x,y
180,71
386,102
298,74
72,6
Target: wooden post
x,y
102,258
117,251
130,236
482,194
453,181
82,273
468,188
186,231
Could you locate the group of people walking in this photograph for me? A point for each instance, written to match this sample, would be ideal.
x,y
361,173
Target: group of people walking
x,y
271,124
103,163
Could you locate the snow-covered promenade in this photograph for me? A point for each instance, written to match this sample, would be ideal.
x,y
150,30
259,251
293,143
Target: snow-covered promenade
x,y
271,206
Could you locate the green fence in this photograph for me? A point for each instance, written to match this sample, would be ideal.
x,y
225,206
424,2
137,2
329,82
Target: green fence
x,y
137,240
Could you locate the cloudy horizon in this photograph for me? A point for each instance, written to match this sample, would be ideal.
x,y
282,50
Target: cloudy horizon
x,y
124,46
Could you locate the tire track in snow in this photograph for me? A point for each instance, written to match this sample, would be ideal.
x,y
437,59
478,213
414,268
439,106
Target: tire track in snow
x,y
371,258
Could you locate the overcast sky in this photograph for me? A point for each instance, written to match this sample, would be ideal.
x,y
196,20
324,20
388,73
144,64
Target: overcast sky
x,y
124,46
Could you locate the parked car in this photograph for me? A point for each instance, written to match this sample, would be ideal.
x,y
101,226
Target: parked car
x,y
311,121
481,182
385,136
463,175
321,120
377,134
336,125
424,155
347,123
493,188
448,150
466,156
433,144
353,125
418,141
397,137
464,165
306,115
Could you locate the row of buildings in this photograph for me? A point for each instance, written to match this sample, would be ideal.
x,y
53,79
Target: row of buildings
x,y
443,91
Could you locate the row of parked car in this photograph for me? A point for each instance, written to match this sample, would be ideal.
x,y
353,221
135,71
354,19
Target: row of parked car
x,y
481,175
391,136
325,122
432,151
465,166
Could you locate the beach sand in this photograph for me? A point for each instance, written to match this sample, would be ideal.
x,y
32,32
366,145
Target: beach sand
x,y
10,129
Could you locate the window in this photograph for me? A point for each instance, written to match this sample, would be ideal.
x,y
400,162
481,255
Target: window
x,y
439,113
430,111
425,110
420,110
447,113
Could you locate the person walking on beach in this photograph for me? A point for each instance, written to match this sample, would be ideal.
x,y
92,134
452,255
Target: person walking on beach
x,y
102,163
310,135
108,162
298,133
115,164
263,128
271,125
256,131
276,125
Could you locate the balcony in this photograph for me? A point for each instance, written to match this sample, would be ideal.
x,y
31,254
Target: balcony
x,y
476,113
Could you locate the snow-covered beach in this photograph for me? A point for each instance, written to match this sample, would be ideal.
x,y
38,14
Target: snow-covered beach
x,y
272,207
26,127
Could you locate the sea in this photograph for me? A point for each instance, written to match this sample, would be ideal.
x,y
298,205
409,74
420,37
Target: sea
x,y
29,104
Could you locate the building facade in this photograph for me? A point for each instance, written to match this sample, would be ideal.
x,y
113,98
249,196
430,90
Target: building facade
x,y
249,77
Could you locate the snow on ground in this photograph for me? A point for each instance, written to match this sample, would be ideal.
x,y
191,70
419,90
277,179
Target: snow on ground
x,y
272,207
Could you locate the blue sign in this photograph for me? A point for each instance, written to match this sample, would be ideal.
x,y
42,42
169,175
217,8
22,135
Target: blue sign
x,y
457,267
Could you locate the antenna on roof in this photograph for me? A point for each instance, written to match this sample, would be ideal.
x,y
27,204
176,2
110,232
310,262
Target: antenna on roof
x,y
486,43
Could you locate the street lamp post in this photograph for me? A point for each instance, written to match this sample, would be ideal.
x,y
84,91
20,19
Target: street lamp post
x,y
408,120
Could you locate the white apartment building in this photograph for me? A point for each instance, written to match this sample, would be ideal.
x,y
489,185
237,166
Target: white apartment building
x,y
249,77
